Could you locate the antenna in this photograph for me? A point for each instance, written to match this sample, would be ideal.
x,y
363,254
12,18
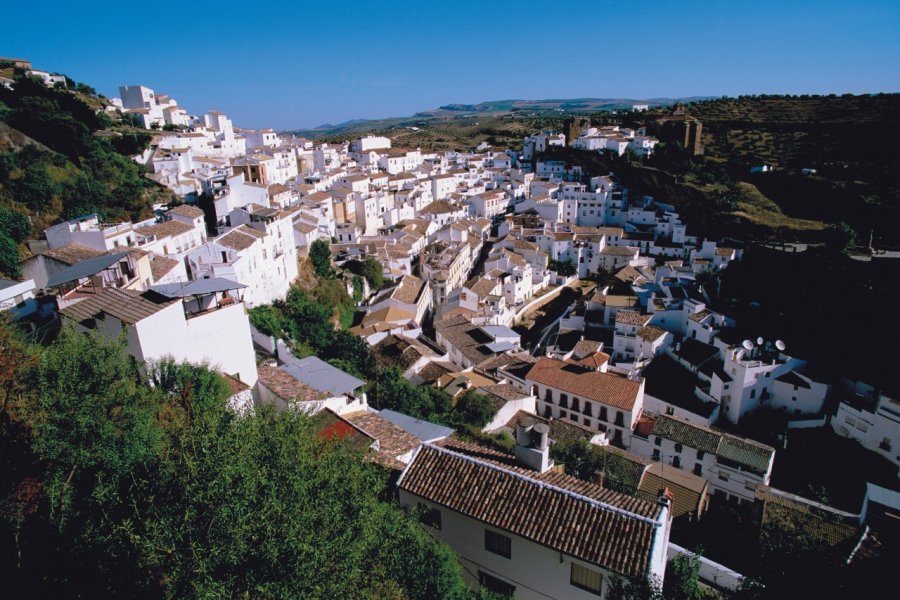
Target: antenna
x,y
780,345
759,341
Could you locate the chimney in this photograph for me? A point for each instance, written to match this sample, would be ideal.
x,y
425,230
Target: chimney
x,y
665,497
533,446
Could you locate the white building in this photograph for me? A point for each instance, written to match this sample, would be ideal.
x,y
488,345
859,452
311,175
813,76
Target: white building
x,y
200,322
522,529
869,417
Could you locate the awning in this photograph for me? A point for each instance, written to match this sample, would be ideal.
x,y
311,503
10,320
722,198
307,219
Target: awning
x,y
85,268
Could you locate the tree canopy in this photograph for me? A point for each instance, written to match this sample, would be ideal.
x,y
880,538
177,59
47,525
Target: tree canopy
x,y
163,492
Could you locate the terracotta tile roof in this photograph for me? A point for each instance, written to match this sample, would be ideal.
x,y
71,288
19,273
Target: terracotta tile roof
x,y
72,253
651,333
126,305
555,510
286,386
606,388
439,207
747,453
434,370
689,434
561,430
186,210
239,238
593,361
161,265
401,352
392,441
688,490
631,317
408,290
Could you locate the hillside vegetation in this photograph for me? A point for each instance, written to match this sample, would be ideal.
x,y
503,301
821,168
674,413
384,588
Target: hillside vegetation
x,y
62,157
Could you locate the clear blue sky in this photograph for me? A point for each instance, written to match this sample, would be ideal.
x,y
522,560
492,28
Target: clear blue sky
x,y
300,64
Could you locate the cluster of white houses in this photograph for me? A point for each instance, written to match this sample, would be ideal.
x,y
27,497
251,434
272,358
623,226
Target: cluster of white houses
x,y
641,366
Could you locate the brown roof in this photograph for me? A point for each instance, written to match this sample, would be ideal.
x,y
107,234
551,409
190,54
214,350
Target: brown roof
x,y
186,210
72,253
127,306
561,430
286,386
239,238
630,317
606,388
393,442
409,289
434,370
440,207
165,229
651,333
400,351
688,490
160,266
555,510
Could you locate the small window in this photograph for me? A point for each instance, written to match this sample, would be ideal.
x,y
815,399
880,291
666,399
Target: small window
x,y
678,447
495,585
586,579
723,477
497,543
655,454
753,393
698,469
658,441
676,462
430,516
700,454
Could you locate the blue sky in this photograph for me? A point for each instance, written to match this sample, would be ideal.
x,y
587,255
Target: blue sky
x,y
300,64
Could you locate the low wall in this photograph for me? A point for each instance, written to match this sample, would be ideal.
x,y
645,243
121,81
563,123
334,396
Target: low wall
x,y
710,572
807,423
266,342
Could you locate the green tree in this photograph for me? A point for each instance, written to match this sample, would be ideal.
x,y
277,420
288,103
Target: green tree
x,y
373,272
840,236
682,580
474,408
163,492
566,268
9,256
320,256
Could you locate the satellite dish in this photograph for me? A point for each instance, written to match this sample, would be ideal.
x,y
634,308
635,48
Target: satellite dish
x,y
747,344
780,345
759,341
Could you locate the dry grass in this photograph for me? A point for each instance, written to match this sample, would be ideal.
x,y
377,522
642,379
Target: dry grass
x,y
760,210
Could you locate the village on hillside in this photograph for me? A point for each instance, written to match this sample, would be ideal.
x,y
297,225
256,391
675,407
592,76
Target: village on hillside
x,y
579,313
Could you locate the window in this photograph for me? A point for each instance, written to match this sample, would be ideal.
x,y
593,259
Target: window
x,y
676,462
497,543
575,404
430,516
678,447
603,413
698,469
497,586
723,476
564,400
586,579
753,393
655,454
586,421
658,441
700,454
587,408
670,410
562,414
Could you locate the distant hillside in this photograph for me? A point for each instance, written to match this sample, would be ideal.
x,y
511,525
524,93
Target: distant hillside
x,y
450,113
